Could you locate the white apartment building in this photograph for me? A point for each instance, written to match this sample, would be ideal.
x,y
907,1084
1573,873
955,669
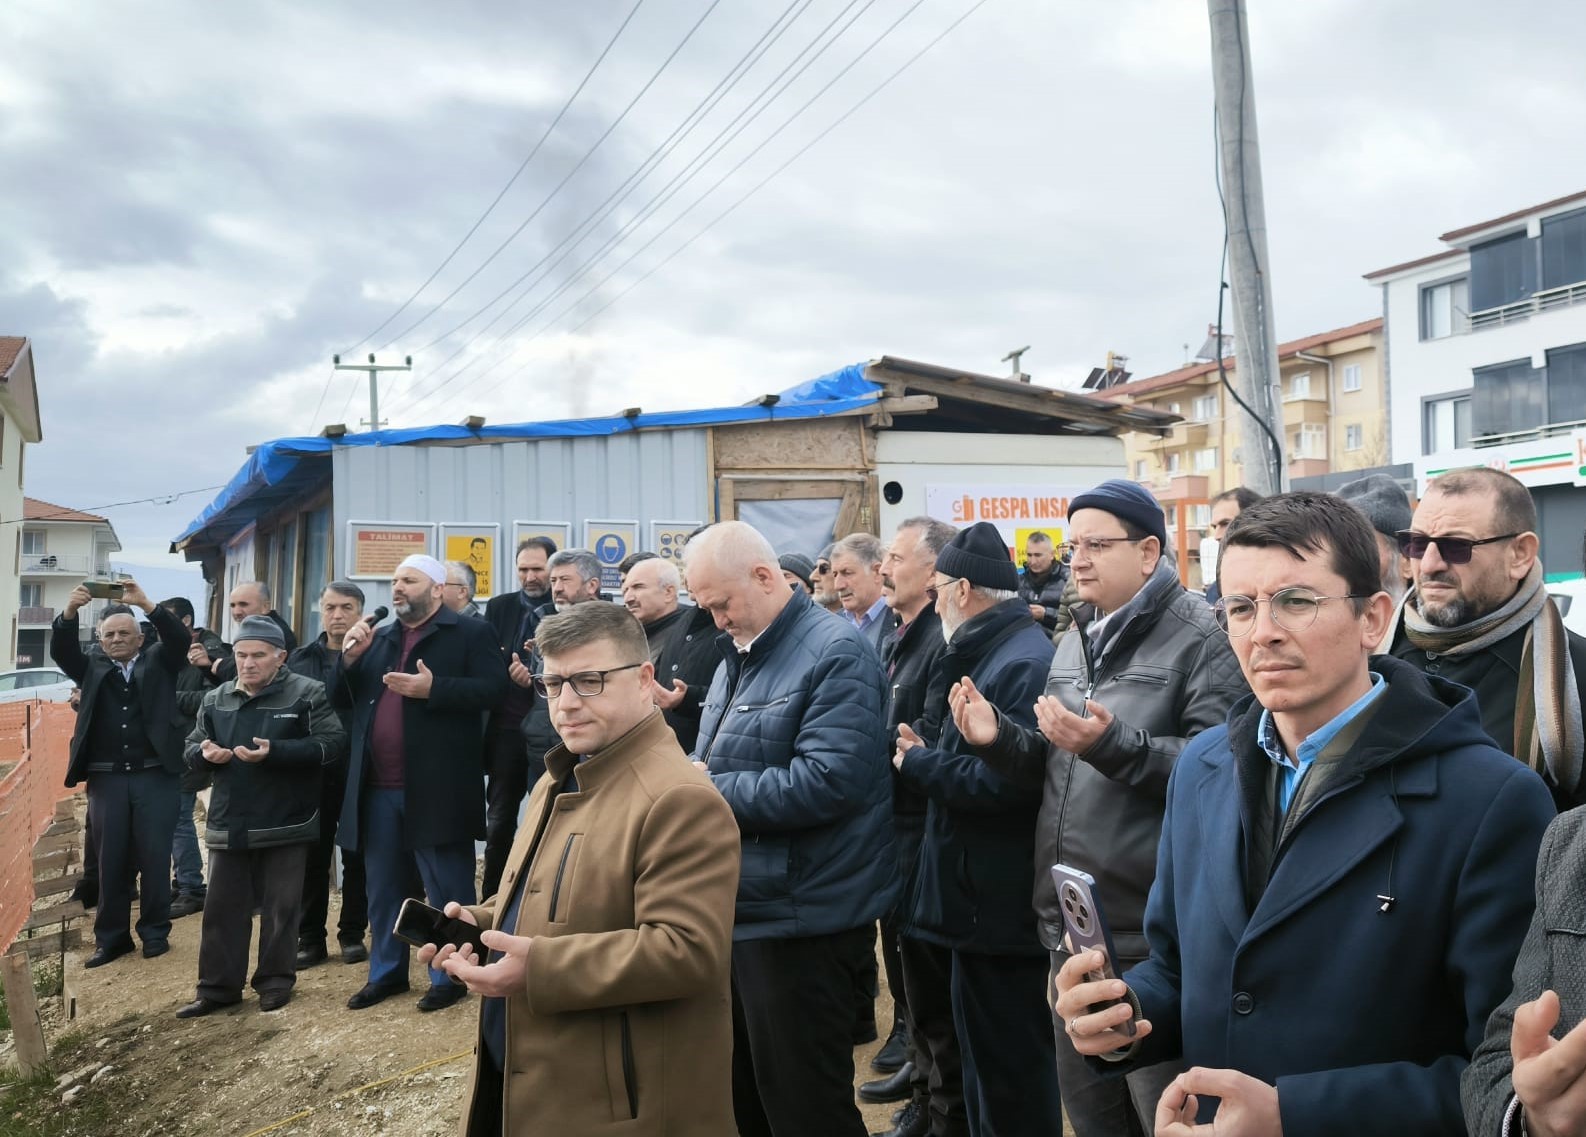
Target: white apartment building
x,y
1486,364
19,425
61,548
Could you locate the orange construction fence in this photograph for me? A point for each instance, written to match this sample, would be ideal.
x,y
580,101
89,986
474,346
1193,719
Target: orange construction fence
x,y
35,742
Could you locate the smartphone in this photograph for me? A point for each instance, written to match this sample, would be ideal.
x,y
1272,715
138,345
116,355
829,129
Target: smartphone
x,y
103,589
419,924
1085,928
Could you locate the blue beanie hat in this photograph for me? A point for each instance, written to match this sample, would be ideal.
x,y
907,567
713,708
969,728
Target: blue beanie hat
x,y
1128,501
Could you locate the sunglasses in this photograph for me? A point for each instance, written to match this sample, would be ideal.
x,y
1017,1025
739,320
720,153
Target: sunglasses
x,y
1453,550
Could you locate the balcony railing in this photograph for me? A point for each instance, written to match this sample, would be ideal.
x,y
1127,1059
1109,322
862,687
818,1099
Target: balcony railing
x,y
57,562
1548,431
1560,297
33,616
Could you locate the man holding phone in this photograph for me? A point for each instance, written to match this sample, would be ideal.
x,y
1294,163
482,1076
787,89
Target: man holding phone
x,y
1343,877
606,995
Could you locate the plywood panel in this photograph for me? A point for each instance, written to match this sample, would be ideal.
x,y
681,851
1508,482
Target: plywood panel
x,y
816,444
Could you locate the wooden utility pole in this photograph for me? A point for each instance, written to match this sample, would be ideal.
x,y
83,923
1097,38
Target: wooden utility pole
x,y
1255,335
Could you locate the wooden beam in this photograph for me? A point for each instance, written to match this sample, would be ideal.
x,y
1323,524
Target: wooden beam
x,y
909,404
52,944
55,914
55,885
27,1030
1037,401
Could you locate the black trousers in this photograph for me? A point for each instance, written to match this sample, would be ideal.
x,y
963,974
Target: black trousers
x,y
908,830
134,816
938,1065
507,759
1005,1036
792,1018
354,918
238,880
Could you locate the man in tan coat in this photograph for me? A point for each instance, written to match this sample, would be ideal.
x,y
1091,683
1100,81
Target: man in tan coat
x,y
608,1006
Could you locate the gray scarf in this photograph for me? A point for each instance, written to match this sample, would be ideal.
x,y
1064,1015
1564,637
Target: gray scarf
x,y
1548,732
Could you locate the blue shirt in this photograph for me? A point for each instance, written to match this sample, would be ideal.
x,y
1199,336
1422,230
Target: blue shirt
x,y
1290,773
870,617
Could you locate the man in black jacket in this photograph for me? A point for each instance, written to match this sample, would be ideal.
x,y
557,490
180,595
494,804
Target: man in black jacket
x,y
513,616
340,607
682,644
1479,614
971,887
921,1055
1042,581
418,690
250,598
128,747
266,735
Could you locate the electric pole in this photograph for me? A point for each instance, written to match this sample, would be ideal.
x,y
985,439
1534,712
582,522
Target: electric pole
x,y
1014,357
1239,152
374,370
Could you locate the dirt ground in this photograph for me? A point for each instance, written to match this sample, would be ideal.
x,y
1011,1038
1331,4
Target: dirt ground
x,y
313,1067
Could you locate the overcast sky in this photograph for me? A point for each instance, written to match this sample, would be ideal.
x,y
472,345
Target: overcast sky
x,y
204,202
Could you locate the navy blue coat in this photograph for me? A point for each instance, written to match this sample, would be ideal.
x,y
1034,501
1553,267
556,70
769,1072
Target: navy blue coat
x,y
443,782
1364,1020
794,738
972,883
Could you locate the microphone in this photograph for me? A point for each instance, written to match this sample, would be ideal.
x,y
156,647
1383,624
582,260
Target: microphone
x,y
377,615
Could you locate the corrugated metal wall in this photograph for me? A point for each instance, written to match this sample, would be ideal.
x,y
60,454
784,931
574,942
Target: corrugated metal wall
x,y
655,475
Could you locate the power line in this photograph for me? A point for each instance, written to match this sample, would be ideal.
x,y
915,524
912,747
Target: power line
x,y
712,150
549,130
757,187
579,165
660,198
679,133
158,499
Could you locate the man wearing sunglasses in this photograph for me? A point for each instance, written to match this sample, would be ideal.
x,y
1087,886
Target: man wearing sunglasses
x,y
1143,670
1343,877
1479,614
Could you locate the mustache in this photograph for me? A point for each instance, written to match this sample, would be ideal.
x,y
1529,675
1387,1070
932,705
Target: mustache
x,y
1259,660
1447,578
887,582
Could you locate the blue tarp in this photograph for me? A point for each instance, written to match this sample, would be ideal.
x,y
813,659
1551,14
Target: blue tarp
x,y
279,466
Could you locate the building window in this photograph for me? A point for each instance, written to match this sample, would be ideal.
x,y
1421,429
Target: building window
x,y
1300,385
1564,249
1445,424
1206,459
1310,441
1204,408
1502,272
1354,437
33,542
1508,398
1139,469
1566,384
1445,309
32,596
1200,516
1172,515
1172,462
1352,377
1171,408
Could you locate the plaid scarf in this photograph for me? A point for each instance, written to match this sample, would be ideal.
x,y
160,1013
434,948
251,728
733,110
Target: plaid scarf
x,y
1548,732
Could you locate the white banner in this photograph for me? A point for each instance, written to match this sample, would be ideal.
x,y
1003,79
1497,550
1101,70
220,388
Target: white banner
x,y
1016,510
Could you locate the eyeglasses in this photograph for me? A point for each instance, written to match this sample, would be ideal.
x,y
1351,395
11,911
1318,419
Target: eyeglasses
x,y
936,587
586,684
822,567
1092,547
1293,610
1453,550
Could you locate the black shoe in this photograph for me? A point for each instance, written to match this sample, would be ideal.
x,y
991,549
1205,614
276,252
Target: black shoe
x,y
153,949
371,993
895,1053
103,956
274,1000
86,893
202,1006
310,954
185,904
353,951
439,998
913,1120
894,1087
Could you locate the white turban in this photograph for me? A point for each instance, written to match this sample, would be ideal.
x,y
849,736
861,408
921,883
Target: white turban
x,y
427,565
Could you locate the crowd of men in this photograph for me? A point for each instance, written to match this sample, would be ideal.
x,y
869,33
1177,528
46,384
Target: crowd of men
x,y
1314,807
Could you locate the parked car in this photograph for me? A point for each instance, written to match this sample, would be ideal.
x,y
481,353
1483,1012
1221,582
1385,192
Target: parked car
x,y
45,683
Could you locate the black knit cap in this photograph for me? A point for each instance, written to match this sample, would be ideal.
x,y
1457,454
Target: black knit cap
x,y
979,555
1127,500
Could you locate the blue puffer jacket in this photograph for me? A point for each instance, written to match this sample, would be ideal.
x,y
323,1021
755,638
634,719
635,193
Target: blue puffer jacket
x,y
795,741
